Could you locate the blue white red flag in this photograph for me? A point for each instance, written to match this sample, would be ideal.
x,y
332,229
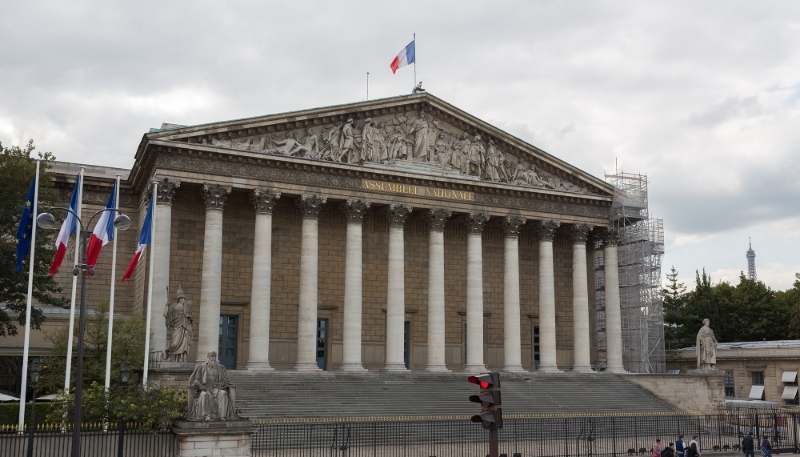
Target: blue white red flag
x,y
69,227
25,229
405,57
103,231
145,238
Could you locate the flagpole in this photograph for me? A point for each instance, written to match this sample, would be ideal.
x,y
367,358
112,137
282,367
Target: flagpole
x,y
151,255
27,343
113,284
74,285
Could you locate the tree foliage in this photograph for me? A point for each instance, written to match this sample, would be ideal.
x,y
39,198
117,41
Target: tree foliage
x,y
748,311
17,169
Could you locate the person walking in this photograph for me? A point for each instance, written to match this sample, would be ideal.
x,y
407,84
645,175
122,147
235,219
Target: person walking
x,y
696,442
680,447
657,448
748,445
766,446
669,451
692,451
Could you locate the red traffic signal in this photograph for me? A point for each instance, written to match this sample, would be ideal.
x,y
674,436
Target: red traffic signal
x,y
491,416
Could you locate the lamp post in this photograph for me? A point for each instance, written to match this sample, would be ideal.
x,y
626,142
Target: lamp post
x,y
35,371
124,376
47,221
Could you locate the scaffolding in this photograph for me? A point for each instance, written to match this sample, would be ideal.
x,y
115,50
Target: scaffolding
x,y
640,248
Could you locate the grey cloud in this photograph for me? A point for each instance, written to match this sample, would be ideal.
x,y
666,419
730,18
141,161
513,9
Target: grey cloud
x,y
729,108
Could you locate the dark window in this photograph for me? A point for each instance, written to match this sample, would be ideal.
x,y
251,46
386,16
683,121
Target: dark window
x,y
729,386
757,378
535,347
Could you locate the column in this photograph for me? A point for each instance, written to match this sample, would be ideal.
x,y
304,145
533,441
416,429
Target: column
x,y
580,300
309,267
211,279
437,217
475,223
351,340
264,202
161,258
395,301
613,313
512,344
547,298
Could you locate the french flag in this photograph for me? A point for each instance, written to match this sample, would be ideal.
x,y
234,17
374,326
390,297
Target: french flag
x,y
69,227
145,238
405,57
103,231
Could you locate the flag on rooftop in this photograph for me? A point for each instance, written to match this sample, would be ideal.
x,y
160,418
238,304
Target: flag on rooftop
x,y
405,57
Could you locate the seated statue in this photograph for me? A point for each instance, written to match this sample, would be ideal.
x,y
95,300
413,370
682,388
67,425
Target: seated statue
x,y
212,397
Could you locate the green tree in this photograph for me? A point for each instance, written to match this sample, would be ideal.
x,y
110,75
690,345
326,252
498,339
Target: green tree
x,y
790,299
17,168
127,346
674,297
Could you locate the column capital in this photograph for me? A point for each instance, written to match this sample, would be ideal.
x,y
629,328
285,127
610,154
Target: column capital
x,y
475,222
166,190
355,209
436,218
310,205
264,200
610,236
547,229
511,225
397,214
215,195
580,233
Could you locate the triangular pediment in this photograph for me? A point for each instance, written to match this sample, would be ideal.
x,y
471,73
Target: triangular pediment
x,y
416,134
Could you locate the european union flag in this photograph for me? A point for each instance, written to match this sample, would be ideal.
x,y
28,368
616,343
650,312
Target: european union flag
x,y
25,230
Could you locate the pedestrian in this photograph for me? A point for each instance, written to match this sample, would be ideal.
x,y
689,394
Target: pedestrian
x,y
657,448
748,445
692,451
680,447
669,451
766,447
696,442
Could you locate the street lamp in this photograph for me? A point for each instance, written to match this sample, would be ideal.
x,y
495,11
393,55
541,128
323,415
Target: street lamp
x,y
47,221
35,370
124,376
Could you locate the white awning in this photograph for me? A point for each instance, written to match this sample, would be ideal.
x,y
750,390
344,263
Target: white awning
x,y
756,392
4,397
789,392
789,376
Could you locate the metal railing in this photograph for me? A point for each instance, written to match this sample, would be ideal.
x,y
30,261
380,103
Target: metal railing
x,y
521,436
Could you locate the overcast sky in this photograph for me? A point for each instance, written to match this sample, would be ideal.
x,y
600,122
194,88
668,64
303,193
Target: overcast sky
x,y
703,97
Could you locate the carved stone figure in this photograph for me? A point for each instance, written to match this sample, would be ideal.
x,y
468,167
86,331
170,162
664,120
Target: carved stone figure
x,y
398,145
442,152
420,130
380,143
370,150
459,159
706,347
287,147
346,143
477,157
309,146
212,397
180,328
495,164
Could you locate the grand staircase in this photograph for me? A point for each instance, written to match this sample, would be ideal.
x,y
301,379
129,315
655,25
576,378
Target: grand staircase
x,y
283,394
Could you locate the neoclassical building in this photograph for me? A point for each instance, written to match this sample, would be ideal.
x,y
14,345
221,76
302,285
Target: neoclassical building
x,y
391,234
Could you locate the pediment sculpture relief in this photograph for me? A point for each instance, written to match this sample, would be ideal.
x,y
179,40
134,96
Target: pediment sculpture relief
x,y
388,140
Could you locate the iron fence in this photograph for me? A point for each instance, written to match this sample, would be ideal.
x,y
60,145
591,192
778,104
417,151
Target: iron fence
x,y
97,440
541,436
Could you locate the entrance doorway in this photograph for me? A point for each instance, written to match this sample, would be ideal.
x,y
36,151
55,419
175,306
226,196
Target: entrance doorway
x,y
228,340
322,343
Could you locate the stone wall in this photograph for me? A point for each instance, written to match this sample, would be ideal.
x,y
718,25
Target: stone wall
x,y
685,392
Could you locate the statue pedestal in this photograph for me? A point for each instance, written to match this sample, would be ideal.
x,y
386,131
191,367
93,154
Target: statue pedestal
x,y
229,438
172,374
706,372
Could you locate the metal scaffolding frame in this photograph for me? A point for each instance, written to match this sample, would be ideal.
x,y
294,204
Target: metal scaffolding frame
x,y
640,248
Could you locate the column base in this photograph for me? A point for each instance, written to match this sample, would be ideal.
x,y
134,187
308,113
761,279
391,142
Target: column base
x,y
395,367
259,366
514,369
548,369
582,369
475,368
617,369
308,367
437,369
352,367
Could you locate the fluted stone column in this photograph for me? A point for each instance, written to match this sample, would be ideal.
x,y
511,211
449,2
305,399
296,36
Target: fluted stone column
x,y
161,257
211,278
395,301
613,312
351,340
547,298
475,223
512,344
264,202
310,206
580,300
437,218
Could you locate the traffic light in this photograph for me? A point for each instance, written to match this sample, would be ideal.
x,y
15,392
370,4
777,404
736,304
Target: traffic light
x,y
491,416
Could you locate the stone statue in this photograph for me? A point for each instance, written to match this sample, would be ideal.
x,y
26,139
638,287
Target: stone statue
x,y
212,397
310,145
706,348
477,157
370,150
180,326
420,130
288,147
495,164
442,151
346,143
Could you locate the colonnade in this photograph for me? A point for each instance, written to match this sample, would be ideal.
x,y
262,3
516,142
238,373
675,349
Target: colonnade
x,y
310,206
